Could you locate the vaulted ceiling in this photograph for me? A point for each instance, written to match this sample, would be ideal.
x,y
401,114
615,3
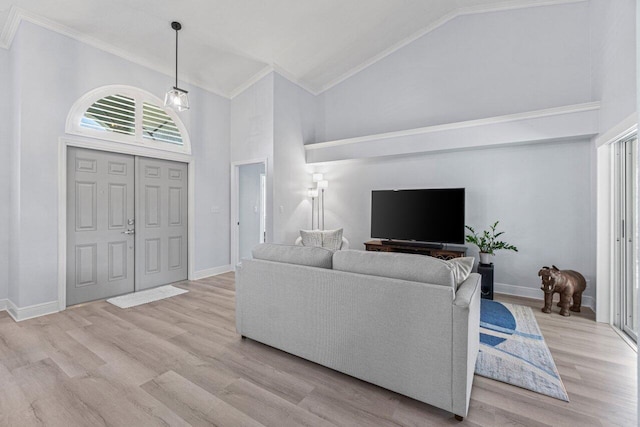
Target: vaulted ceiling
x,y
225,44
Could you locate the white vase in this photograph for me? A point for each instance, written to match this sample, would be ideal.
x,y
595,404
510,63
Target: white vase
x,y
485,258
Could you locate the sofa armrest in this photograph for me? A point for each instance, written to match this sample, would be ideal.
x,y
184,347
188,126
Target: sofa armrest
x,y
466,341
466,290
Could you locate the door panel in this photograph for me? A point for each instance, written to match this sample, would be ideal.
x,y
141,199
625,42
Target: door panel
x,y
161,236
100,202
626,285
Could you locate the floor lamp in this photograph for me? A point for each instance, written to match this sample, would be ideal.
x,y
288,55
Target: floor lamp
x,y
316,177
313,193
322,185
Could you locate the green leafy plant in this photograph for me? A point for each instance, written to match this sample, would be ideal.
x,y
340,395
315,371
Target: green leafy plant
x,y
488,241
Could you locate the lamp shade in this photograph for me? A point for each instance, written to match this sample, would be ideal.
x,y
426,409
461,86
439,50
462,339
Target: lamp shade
x,y
177,99
316,177
323,184
312,192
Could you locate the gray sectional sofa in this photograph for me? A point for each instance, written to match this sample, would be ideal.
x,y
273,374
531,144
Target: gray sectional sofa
x,y
395,320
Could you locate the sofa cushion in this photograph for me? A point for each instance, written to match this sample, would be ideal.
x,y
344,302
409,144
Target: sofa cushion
x,y
311,238
328,239
302,255
461,268
415,268
332,239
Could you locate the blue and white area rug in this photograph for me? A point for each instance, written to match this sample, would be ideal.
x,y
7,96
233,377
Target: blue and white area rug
x,y
512,350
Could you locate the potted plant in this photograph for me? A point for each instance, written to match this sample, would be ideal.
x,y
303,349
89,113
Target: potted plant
x,y
488,242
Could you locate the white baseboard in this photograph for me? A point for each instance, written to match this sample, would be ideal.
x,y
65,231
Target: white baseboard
x,y
202,274
23,313
535,293
3,305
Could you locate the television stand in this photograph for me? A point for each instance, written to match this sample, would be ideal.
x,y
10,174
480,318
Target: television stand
x,y
446,253
412,244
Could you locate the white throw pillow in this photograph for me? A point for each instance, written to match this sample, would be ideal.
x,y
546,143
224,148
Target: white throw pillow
x,y
332,239
461,268
311,237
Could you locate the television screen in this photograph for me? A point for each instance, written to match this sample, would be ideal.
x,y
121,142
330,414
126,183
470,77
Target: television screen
x,y
427,215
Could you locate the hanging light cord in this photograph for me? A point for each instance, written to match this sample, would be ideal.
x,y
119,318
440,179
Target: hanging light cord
x,y
176,58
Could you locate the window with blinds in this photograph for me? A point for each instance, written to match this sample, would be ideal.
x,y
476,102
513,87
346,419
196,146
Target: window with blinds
x,y
119,114
113,113
158,126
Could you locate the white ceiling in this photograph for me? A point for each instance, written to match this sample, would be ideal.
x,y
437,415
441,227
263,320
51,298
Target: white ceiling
x,y
225,44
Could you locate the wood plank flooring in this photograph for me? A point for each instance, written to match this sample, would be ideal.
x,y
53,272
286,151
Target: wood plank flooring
x,y
179,362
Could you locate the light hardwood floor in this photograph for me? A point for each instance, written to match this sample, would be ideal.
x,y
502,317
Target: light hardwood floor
x,y
180,362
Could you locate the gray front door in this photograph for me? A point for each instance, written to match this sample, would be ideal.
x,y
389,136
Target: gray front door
x,y
161,222
100,211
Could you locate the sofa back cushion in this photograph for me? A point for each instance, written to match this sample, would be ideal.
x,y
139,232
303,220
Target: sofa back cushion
x,y
415,268
302,255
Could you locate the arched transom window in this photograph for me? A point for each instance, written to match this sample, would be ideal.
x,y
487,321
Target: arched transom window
x,y
128,115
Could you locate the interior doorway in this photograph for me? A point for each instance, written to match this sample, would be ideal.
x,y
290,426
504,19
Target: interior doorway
x,y
127,224
625,289
249,221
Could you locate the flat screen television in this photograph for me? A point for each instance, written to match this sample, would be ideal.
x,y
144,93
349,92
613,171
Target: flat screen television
x,y
426,215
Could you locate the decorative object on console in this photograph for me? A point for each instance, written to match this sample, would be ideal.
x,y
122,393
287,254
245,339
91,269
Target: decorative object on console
x,y
176,98
487,242
568,283
313,193
513,350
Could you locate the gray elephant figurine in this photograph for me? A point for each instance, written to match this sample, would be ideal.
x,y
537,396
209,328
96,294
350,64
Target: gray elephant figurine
x,y
568,283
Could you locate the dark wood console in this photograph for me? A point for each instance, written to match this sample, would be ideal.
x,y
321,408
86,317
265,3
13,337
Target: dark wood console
x,y
448,252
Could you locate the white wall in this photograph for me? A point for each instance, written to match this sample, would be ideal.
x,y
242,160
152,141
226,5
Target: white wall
x,y
295,116
5,171
15,65
273,119
54,71
251,133
614,52
208,127
613,38
472,67
537,192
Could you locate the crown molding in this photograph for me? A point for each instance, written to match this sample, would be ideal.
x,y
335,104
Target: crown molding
x,y
17,15
293,79
472,10
251,81
264,72
621,130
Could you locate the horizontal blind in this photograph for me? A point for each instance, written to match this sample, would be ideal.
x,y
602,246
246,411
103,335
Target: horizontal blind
x,y
113,113
158,126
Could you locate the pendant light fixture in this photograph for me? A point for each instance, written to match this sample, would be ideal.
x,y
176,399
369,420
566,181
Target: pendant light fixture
x,y
176,98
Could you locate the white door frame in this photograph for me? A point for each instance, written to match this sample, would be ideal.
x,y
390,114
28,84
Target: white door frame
x,y
605,214
235,214
114,147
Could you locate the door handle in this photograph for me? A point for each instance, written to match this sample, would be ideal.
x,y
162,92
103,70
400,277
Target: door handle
x,y
131,231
